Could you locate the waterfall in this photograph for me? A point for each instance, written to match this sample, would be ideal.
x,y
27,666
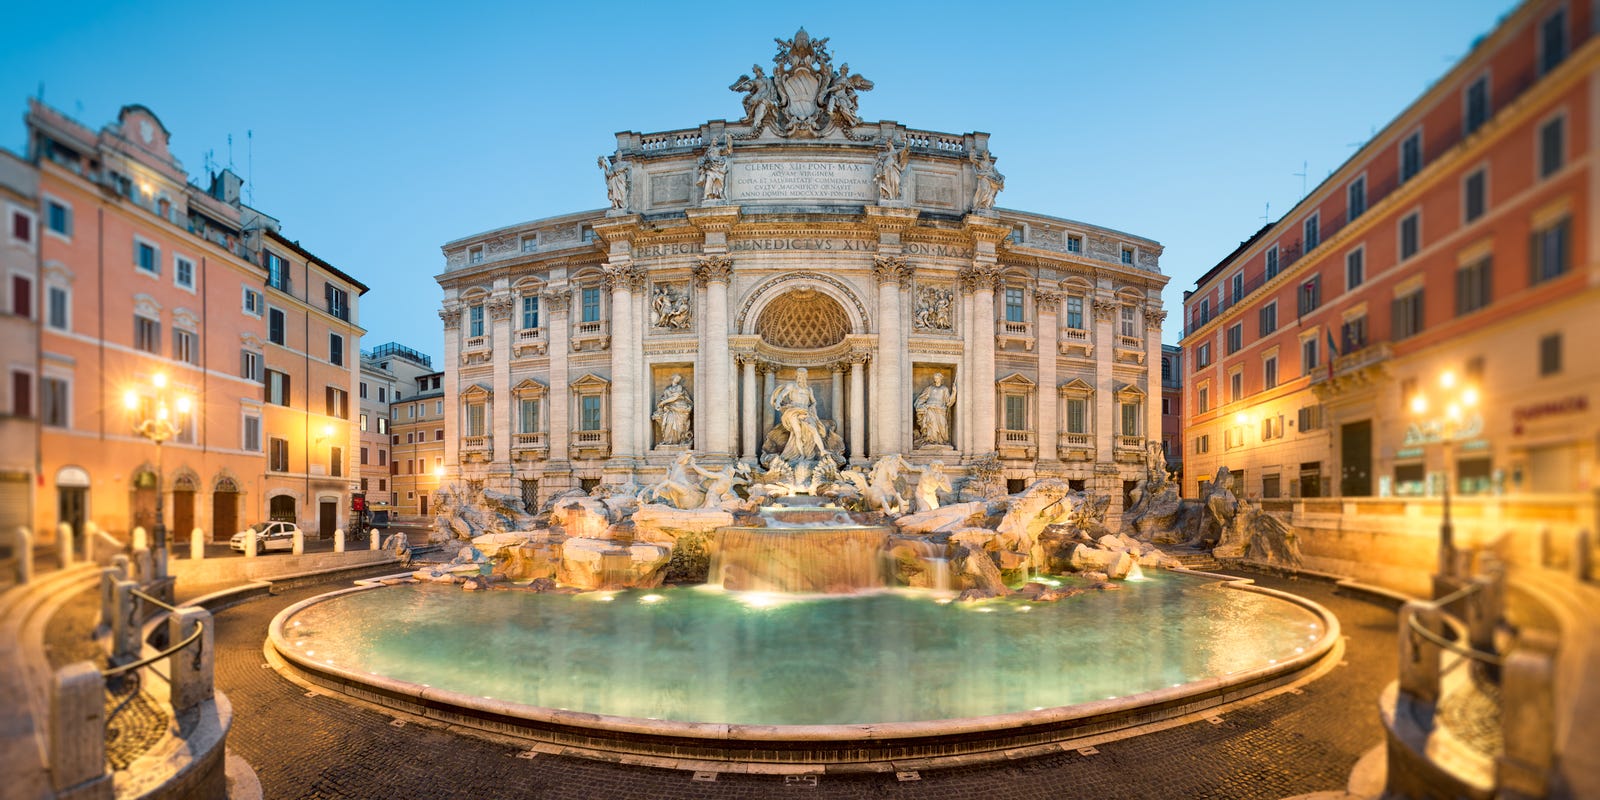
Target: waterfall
x,y
807,560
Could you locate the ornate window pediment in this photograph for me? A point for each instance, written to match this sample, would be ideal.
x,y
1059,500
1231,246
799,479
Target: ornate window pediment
x,y
57,272
590,383
477,393
529,389
1130,393
145,305
1077,387
1016,381
184,318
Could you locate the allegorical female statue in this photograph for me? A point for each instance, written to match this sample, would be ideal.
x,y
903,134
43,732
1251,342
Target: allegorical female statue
x,y
891,165
616,172
673,414
990,181
796,405
933,413
714,169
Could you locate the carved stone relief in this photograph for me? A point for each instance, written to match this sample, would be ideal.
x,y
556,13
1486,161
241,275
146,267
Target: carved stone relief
x,y
935,309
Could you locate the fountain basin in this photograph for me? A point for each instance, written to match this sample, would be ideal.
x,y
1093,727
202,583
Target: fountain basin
x,y
736,730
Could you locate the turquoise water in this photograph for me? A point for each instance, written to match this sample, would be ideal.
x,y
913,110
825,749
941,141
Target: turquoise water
x,y
705,655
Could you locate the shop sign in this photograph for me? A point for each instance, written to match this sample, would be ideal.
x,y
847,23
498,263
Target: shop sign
x,y
1575,404
1421,433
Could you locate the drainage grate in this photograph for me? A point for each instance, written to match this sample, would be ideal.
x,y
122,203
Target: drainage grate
x,y
706,777
1088,751
907,775
397,723
526,754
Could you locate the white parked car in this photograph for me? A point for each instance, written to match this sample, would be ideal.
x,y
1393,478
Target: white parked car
x,y
269,536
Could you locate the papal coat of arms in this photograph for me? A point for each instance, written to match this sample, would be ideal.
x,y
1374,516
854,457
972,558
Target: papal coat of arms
x,y
805,96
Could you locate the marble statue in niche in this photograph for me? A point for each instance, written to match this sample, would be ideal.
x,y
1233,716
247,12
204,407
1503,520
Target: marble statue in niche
x,y
669,308
674,414
933,413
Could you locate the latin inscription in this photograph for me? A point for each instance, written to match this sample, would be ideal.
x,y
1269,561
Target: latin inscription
x,y
669,249
942,250
788,180
803,243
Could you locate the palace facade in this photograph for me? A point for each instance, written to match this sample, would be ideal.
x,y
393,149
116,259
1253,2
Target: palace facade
x,y
734,254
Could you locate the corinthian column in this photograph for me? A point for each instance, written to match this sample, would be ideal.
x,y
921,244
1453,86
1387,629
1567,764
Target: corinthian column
x,y
858,407
500,306
1153,317
623,279
981,282
714,273
750,412
556,302
450,315
889,398
1047,406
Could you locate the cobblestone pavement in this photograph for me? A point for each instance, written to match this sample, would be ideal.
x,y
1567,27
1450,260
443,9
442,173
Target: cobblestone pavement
x,y
134,720
322,747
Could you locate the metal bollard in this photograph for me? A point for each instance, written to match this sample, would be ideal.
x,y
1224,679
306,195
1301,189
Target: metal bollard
x,y
374,536
91,538
299,542
126,626
1583,556
191,668
250,544
338,540
64,545
197,544
24,548
78,732
1419,658
109,578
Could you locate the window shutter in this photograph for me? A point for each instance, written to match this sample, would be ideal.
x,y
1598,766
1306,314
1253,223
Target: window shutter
x,y
1535,250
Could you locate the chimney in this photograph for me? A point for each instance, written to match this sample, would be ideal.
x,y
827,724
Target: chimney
x,y
225,186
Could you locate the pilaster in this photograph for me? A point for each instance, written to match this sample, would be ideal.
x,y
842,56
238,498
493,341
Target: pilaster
x,y
499,309
1047,405
889,400
1105,387
557,302
713,273
980,280
450,315
1154,315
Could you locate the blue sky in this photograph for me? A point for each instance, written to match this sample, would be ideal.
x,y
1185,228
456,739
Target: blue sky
x,y
383,130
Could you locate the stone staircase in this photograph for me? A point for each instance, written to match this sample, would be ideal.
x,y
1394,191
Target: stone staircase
x,y
1202,562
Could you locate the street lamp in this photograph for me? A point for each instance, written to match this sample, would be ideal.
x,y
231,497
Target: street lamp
x,y
158,422
1456,401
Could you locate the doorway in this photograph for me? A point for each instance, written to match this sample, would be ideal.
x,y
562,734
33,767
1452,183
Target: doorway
x,y
182,514
1355,459
224,515
327,518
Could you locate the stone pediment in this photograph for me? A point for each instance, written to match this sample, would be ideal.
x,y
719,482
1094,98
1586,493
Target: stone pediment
x,y
1076,386
477,391
1016,380
590,381
1130,391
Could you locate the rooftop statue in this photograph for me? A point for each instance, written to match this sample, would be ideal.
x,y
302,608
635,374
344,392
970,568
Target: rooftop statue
x,y
805,96
616,172
990,181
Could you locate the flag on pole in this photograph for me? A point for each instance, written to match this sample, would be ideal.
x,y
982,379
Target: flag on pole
x,y
1333,352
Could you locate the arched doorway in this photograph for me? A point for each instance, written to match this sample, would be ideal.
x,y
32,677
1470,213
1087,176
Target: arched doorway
x,y
183,489
281,508
72,499
142,500
224,510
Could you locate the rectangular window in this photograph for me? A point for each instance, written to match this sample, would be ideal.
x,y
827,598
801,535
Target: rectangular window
x,y
1235,338
382,391
1074,244
1355,268
183,347
475,255
1552,41
1313,231
1166,407
275,325
250,365
586,233
21,394
277,272
1410,235
1411,156
590,413
1127,255
1016,412
21,227
1353,334
438,434
336,349
277,387
1269,372
383,458
383,424
1236,286
1308,355
147,335
363,391
591,304
474,420
1202,356
338,301
22,296
58,217
1310,295
1130,419
252,434
252,302
1236,387
530,311
1075,312
1203,400
182,272
1272,262
1310,418
337,402
335,462
1356,197
1205,310
529,416
1550,355
278,455
1474,285
146,257
1477,105
475,320
363,424
53,407
1474,196
1130,322
1268,318
1552,146
1014,305
1077,415
1408,315
1202,444
57,308
530,243
1550,252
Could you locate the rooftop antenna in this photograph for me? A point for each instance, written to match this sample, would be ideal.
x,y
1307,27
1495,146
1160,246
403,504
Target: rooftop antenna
x,y
1304,170
230,152
250,168
1371,132
1266,215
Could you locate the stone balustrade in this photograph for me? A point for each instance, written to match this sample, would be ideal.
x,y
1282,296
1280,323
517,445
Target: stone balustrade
x,y
1008,332
529,445
586,442
1016,444
937,142
593,335
1075,341
1075,446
